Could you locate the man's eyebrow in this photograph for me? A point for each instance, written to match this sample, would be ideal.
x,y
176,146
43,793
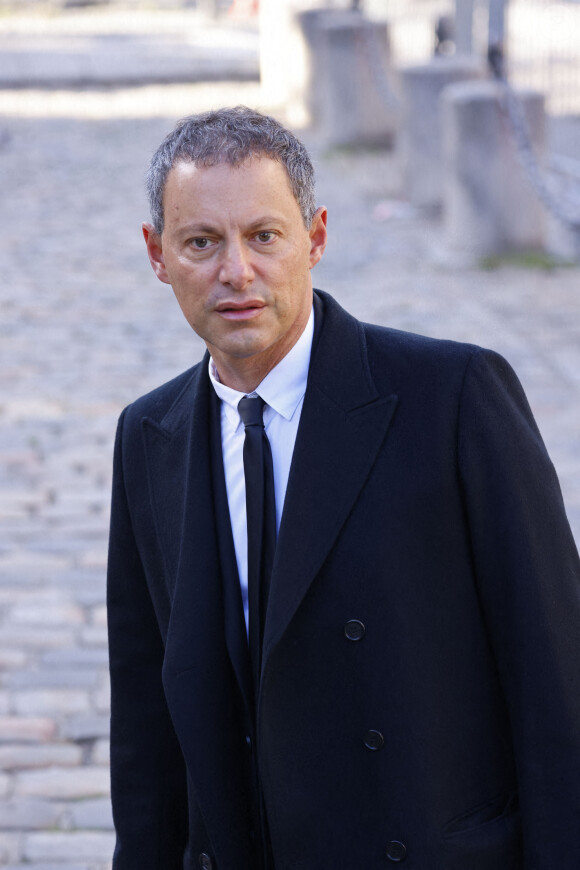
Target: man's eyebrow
x,y
200,229
267,220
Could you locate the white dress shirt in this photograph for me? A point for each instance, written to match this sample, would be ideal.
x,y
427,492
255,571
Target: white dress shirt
x,y
283,391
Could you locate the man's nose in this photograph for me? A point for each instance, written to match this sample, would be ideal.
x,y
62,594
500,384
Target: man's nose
x,y
236,269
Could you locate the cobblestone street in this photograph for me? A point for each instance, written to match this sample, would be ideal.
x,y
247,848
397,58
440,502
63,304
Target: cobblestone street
x,y
86,327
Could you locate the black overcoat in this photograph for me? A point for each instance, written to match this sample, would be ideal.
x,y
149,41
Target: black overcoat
x,y
420,693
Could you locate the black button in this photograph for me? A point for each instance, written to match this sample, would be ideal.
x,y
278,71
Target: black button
x,y
248,741
205,861
396,851
354,629
374,740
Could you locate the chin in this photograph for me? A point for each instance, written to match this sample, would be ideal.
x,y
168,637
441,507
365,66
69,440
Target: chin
x,y
244,348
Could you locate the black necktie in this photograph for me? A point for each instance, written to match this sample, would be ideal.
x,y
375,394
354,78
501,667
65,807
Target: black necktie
x,y
261,519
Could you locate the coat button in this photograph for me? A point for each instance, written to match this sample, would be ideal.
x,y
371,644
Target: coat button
x,y
354,629
205,861
396,851
374,740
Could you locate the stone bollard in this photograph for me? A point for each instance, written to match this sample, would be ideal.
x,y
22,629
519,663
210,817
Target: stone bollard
x,y
420,135
490,205
348,94
282,59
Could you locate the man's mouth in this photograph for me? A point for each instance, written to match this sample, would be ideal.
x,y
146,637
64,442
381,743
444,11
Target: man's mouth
x,y
240,310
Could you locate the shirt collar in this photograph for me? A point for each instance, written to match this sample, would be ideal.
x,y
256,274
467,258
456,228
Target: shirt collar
x,y
282,388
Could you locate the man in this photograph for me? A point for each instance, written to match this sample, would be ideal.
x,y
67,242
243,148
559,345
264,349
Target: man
x,y
405,686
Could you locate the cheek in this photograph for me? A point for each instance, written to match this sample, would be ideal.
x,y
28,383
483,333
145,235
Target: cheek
x,y
190,286
188,301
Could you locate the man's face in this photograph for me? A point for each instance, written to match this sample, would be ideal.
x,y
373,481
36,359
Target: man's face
x,y
237,254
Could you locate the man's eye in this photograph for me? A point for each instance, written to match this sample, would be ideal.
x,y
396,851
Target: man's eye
x,y
200,243
266,236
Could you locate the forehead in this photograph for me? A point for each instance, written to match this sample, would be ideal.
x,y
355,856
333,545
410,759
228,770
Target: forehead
x,y
256,183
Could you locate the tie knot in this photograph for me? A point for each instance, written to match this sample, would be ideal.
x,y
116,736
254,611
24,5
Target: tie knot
x,y
250,410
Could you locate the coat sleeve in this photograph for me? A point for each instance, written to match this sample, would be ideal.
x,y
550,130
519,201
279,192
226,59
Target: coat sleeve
x,y
148,785
528,576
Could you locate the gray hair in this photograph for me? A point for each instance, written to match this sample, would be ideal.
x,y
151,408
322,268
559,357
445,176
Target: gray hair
x,y
231,136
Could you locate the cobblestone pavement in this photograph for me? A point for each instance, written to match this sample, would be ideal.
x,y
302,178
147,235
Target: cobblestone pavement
x,y
108,45
85,327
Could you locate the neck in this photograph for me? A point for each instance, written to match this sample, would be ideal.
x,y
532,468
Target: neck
x,y
245,374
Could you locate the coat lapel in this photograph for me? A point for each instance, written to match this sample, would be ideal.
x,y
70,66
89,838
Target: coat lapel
x,y
343,425
234,622
200,685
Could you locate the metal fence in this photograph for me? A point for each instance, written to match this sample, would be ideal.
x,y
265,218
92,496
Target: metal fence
x,y
543,51
542,40
412,26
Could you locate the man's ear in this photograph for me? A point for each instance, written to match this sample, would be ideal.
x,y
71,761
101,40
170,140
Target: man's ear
x,y
155,251
318,235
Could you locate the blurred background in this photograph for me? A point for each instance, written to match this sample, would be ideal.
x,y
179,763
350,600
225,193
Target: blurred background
x,y
446,139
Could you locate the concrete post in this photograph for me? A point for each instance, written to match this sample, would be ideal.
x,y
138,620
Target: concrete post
x,y
347,93
490,205
283,61
420,135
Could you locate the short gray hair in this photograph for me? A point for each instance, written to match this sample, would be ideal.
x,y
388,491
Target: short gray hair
x,y
231,136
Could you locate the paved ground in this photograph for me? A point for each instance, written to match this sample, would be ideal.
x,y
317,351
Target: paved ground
x,y
85,327
103,46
